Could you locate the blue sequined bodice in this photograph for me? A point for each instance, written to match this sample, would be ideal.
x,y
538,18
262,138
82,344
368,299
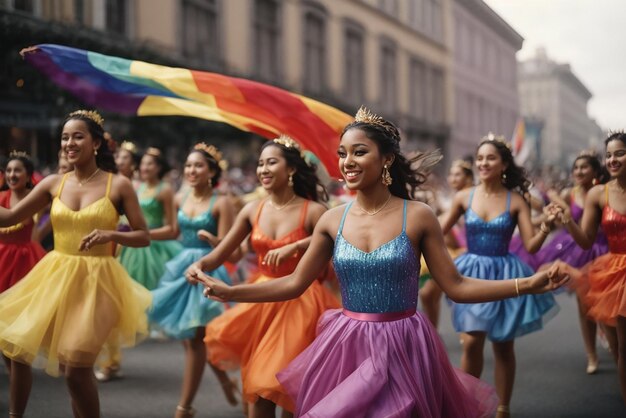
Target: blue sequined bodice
x,y
189,227
383,280
489,238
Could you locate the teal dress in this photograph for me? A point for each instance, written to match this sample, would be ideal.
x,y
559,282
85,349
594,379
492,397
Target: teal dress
x,y
147,264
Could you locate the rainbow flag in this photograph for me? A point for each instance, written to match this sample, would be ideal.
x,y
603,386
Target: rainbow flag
x,y
139,88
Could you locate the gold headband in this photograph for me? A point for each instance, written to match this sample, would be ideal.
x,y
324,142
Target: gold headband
x,y
463,164
89,114
213,152
17,154
490,137
154,152
129,146
287,142
364,115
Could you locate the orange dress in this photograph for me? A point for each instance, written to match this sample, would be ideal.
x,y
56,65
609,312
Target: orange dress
x,y
604,284
263,338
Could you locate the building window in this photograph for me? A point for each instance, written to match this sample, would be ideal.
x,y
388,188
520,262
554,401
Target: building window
x,y
426,16
418,88
79,11
116,12
391,7
438,95
267,39
200,32
24,5
388,76
354,64
315,52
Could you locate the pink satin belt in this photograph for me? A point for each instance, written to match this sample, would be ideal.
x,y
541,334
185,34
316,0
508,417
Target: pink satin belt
x,y
379,317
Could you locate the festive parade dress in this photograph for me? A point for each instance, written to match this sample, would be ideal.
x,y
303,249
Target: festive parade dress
x,y
262,338
18,252
147,264
487,258
378,357
179,308
72,302
603,286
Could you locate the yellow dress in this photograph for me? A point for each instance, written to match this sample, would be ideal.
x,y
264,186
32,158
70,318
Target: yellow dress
x,y
72,302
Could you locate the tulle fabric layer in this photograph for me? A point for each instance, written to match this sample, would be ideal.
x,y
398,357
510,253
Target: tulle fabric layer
x,y
67,307
262,338
506,319
516,247
179,308
16,260
563,247
602,288
147,264
382,370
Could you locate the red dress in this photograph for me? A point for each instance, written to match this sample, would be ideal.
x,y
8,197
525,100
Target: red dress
x,y
263,338
18,253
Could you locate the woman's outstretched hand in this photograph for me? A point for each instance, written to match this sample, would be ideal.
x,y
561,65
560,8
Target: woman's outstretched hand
x,y
214,289
551,279
277,256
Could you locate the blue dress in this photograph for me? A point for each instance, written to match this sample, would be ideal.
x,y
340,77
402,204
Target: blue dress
x,y
179,308
378,357
488,258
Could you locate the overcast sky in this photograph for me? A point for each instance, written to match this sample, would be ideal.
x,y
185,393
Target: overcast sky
x,y
590,35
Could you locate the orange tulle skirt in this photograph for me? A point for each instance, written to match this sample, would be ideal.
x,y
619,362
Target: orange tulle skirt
x,y
263,338
602,288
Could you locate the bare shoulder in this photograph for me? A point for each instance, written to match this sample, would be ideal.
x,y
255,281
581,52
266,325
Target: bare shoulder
x,y
596,195
330,220
419,215
462,196
50,183
316,208
121,183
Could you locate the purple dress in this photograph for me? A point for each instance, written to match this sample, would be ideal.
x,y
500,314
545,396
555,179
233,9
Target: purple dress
x,y
378,357
563,247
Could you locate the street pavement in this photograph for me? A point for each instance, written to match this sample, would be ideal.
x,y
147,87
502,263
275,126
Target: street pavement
x,y
551,380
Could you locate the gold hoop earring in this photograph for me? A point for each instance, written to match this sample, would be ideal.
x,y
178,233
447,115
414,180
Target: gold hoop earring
x,y
387,180
290,183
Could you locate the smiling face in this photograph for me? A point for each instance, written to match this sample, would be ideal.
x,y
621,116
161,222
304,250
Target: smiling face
x,y
16,175
272,169
149,168
457,179
489,163
615,158
125,162
197,170
583,172
77,142
360,161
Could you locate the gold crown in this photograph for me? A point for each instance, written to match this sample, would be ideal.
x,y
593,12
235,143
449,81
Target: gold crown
x,y
364,115
90,114
213,152
588,153
17,154
155,152
463,164
287,142
129,146
491,137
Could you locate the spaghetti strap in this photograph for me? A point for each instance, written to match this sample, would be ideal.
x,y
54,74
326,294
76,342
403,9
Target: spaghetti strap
x,y
471,197
303,212
508,201
258,211
60,189
212,203
343,218
109,181
404,217
606,195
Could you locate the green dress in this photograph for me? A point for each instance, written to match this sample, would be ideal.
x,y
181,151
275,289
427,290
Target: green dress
x,y
147,264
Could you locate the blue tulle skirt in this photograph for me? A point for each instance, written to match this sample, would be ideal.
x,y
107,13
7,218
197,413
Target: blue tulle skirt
x,y
178,307
506,319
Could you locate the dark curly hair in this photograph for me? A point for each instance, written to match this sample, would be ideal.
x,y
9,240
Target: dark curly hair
x,y
28,166
406,174
160,161
104,160
306,184
516,176
602,176
213,165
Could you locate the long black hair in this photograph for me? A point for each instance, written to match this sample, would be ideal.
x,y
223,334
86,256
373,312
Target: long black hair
x,y
306,184
406,174
28,166
515,177
104,159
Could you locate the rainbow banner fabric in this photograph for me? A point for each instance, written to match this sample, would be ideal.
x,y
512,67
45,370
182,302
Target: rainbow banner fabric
x,y
139,88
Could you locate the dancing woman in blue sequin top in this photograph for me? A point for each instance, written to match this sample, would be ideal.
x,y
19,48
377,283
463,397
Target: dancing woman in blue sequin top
x,y
492,210
378,356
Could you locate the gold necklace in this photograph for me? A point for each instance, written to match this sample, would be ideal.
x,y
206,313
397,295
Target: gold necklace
x,y
80,183
281,207
377,210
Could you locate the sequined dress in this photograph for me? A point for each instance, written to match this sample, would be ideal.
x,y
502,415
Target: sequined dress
x,y
487,258
18,252
262,338
147,264
378,357
179,308
72,303
603,288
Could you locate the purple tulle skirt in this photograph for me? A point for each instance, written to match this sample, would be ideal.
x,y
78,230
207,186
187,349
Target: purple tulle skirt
x,y
516,246
563,247
357,368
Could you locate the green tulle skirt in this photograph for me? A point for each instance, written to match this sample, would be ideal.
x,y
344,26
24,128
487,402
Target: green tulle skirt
x,y
147,264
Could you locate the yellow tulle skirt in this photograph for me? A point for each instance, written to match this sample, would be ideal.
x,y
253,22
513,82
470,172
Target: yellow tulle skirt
x,y
67,308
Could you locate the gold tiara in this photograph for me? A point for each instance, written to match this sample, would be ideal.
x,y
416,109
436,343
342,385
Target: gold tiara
x,y
588,153
89,114
129,146
491,137
213,152
463,164
364,115
154,152
17,154
287,142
